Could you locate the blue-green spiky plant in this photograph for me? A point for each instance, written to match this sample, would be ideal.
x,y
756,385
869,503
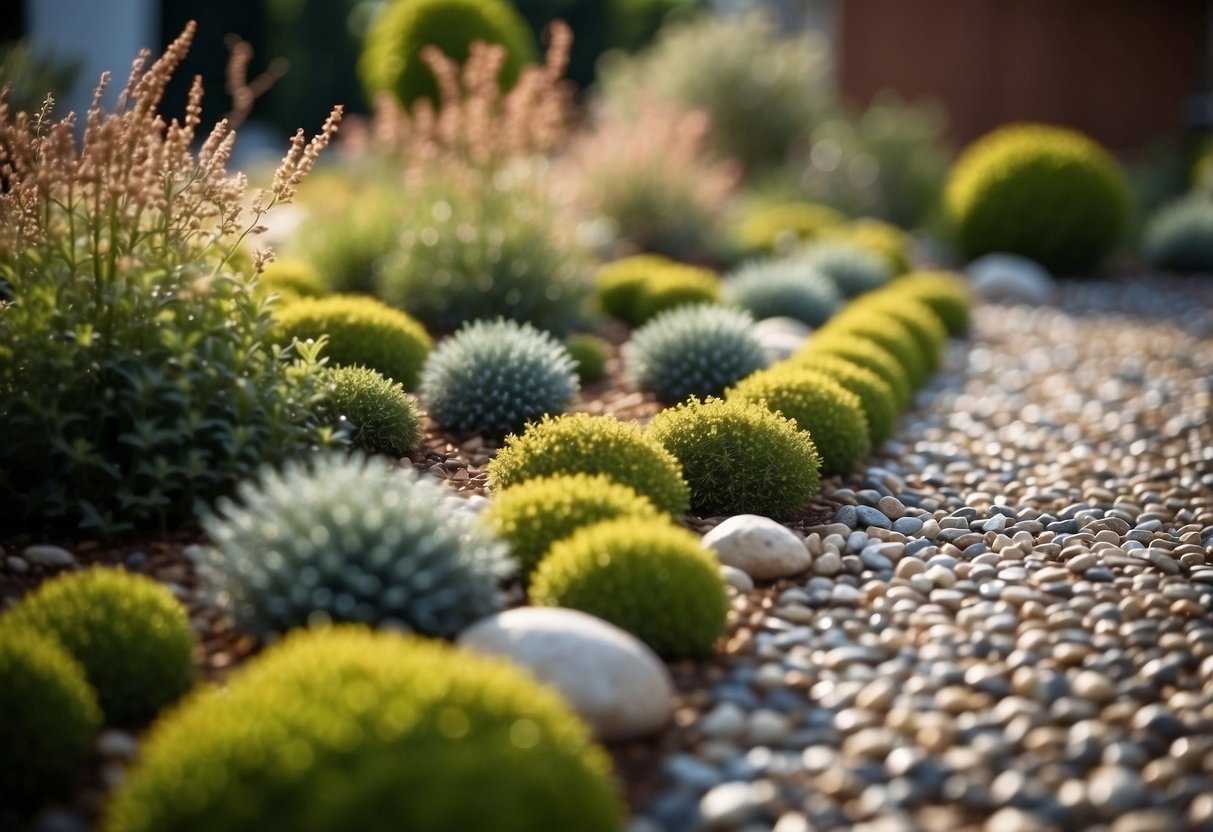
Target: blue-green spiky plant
x,y
783,287
1179,236
492,377
692,351
853,269
349,539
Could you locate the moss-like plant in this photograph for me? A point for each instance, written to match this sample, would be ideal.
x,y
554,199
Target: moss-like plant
x,y
48,716
653,579
781,228
130,634
882,238
922,322
1042,191
349,539
678,284
589,354
862,353
739,457
853,269
788,287
344,728
879,402
891,335
361,331
492,377
581,443
947,293
618,284
1179,236
291,279
375,411
532,516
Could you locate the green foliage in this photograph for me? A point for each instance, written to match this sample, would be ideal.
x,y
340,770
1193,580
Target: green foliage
x,y
788,286
48,716
378,414
589,354
530,517
352,222
344,728
692,350
349,539
618,285
653,579
739,457
923,323
862,353
391,58
361,331
888,333
31,77
678,284
877,398
492,377
947,293
129,633
1179,237
881,238
291,279
581,443
1045,192
854,270
781,228
832,415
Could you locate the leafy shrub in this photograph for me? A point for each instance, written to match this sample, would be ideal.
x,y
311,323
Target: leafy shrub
x,y
352,223
378,414
164,390
492,377
924,325
535,514
349,539
877,398
1045,192
781,228
1179,236
291,279
589,354
862,353
884,239
344,728
832,415
129,633
890,334
653,579
692,350
738,457
392,58
580,443
48,716
619,284
854,270
946,293
788,286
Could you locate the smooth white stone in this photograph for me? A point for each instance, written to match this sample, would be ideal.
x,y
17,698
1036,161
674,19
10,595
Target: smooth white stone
x,y
1011,278
759,546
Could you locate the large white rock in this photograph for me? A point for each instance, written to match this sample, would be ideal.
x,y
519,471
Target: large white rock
x,y
1011,278
781,337
610,678
759,546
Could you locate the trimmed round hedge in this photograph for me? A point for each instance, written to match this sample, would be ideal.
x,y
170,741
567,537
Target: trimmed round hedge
x,y
919,319
875,395
589,354
778,229
380,417
947,293
619,284
673,286
291,280
862,353
344,728
888,333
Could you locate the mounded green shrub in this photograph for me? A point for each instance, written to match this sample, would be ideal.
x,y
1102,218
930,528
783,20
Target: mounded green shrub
x,y
580,443
1048,193
875,395
589,354
739,457
618,284
675,285
889,333
854,270
1179,237
48,716
391,56
344,728
530,517
787,287
779,229
863,353
881,238
692,350
360,331
349,538
653,579
832,415
492,377
131,636
375,410
947,293
291,279
924,325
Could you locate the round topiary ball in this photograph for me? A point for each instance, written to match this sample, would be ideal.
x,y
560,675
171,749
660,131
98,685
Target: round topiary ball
x,y
535,514
378,414
875,395
589,354
349,538
739,457
492,377
581,443
851,268
1179,236
48,716
947,293
618,284
1044,192
344,728
863,353
291,280
788,287
890,334
129,633
923,324
391,57
360,330
672,286
692,350
779,229
653,579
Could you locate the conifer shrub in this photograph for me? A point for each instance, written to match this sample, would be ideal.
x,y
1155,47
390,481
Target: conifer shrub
x,y
921,320
879,402
739,457
291,279
877,236
375,411
863,353
581,443
128,632
1179,236
589,354
349,538
653,579
787,286
890,334
1045,192
675,285
946,293
618,284
344,728
853,269
781,228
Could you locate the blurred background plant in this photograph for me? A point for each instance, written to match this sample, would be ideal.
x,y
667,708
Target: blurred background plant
x,y
31,77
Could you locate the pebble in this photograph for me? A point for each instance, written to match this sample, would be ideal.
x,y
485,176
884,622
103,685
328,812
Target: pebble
x,y
759,546
736,578
49,556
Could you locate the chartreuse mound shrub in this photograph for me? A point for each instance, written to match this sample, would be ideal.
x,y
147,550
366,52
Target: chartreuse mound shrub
x,y
535,514
862,353
129,633
884,239
787,287
946,293
875,395
1179,236
653,579
888,333
391,56
739,457
344,728
832,415
854,270
779,229
375,410
692,350
291,279
618,284
492,377
589,354
677,284
348,538
580,443
361,331
923,324
1045,192
48,715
